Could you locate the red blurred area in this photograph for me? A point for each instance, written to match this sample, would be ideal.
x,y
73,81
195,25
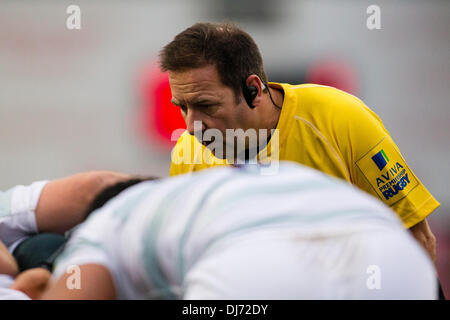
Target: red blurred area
x,y
334,72
160,117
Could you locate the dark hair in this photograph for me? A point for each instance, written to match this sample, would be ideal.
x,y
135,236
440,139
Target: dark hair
x,y
112,191
232,50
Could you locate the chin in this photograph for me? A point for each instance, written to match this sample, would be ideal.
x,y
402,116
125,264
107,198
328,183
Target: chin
x,y
223,157
224,154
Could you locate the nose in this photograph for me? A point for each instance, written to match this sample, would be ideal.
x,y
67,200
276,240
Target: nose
x,y
194,122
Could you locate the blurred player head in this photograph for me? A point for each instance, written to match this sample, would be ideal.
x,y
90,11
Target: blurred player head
x,y
217,76
111,191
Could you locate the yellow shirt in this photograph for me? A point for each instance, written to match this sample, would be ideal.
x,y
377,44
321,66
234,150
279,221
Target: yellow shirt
x,y
334,132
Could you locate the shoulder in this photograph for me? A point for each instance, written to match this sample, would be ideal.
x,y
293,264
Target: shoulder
x,y
318,102
185,140
183,154
330,98
190,155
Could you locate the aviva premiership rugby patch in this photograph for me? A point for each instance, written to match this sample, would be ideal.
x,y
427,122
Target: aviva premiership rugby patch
x,y
387,172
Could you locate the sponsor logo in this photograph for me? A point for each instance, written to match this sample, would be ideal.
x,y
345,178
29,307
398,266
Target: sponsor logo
x,y
386,171
380,159
393,181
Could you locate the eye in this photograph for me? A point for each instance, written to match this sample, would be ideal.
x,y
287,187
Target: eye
x,y
208,108
183,108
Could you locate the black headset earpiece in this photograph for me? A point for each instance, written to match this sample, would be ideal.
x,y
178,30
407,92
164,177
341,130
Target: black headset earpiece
x,y
250,93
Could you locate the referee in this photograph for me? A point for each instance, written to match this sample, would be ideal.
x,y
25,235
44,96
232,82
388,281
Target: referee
x,y
217,79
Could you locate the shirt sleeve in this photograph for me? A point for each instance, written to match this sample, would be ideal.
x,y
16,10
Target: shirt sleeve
x,y
378,167
93,242
100,240
17,213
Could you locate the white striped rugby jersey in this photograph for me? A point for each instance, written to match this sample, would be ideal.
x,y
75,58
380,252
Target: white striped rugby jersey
x,y
153,233
17,217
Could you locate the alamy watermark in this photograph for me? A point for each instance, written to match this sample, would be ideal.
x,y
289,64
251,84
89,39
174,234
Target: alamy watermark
x,y
73,21
373,21
235,145
74,280
373,282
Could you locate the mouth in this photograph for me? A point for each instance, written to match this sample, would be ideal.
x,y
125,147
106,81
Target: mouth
x,y
217,151
208,142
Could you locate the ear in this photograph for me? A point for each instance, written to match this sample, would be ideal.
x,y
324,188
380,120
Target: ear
x,y
253,81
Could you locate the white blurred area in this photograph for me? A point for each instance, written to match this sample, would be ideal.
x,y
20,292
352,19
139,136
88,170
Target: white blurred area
x,y
68,98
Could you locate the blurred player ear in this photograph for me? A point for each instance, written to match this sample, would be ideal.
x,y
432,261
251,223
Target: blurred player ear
x,y
112,191
32,282
96,284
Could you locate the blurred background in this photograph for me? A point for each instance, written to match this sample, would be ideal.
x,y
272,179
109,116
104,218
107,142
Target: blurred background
x,y
77,100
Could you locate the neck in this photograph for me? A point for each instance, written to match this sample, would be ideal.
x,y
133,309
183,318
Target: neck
x,y
269,115
277,96
266,118
273,108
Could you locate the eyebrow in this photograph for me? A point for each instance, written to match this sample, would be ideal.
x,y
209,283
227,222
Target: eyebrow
x,y
202,101
195,101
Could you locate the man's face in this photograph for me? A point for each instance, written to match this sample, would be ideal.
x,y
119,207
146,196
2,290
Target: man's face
x,y
202,96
